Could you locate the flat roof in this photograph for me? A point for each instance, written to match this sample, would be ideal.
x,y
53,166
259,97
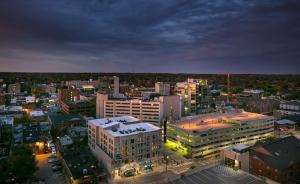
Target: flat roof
x,y
131,129
123,125
106,122
216,120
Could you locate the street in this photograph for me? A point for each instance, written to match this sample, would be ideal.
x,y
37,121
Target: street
x,y
45,171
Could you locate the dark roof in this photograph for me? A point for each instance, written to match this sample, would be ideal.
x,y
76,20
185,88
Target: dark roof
x,y
278,154
63,118
79,158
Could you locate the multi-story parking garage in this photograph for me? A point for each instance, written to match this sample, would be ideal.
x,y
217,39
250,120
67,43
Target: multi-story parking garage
x,y
206,135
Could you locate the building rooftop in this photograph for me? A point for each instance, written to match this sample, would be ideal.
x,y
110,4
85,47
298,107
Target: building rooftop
x,y
285,122
63,118
278,154
217,120
123,125
36,113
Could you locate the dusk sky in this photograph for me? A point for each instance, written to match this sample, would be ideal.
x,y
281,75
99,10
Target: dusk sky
x,y
173,36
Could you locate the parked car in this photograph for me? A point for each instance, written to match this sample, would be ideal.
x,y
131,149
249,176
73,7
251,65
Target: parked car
x,y
56,168
51,160
129,173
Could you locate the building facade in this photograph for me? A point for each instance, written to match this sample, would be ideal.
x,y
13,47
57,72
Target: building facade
x,y
14,88
277,159
149,111
288,108
162,88
206,135
70,94
195,96
124,143
109,85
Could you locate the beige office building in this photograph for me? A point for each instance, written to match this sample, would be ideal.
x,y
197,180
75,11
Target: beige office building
x,y
153,111
124,143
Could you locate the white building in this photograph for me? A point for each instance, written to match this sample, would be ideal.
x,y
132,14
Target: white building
x,y
30,99
121,143
288,108
36,113
149,111
162,88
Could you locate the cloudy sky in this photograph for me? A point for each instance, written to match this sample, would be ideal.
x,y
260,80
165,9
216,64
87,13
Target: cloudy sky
x,y
176,36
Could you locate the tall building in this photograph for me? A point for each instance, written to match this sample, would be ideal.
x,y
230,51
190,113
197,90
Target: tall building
x,y
206,135
149,111
195,96
70,94
162,88
14,88
109,85
124,143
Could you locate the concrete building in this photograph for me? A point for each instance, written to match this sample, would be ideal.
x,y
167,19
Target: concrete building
x,y
288,108
124,143
284,127
277,160
195,96
109,85
14,88
236,157
206,135
162,88
149,111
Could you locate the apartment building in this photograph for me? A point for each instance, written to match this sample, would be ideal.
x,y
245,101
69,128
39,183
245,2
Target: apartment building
x,y
124,143
206,135
149,111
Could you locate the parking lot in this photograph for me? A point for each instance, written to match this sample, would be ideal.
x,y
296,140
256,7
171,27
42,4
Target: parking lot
x,y
218,174
45,172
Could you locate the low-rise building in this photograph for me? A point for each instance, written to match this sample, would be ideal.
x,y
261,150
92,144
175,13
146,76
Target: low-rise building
x,y
206,135
236,157
288,108
284,127
122,143
277,160
63,121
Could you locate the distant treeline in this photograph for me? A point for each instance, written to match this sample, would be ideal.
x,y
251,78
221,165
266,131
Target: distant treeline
x,y
271,83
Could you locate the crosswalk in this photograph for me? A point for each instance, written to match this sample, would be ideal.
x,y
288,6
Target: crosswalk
x,y
225,171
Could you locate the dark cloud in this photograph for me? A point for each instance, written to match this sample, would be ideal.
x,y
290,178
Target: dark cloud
x,y
201,36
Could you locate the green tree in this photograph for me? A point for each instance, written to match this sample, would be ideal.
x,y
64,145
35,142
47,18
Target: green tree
x,y
22,164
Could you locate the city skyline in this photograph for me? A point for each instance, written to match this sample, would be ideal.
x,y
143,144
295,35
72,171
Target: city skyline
x,y
151,36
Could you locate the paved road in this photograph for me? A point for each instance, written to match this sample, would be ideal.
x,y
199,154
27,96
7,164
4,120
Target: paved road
x,y
46,173
218,175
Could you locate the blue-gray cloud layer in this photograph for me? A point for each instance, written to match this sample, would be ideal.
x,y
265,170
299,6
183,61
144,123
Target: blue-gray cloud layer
x,y
199,36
